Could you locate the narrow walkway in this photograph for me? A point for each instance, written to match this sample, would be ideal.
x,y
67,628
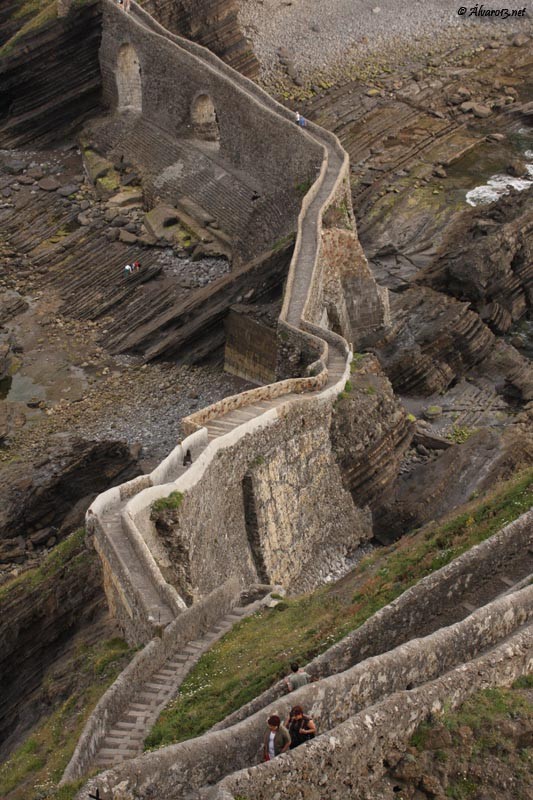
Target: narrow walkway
x,y
125,739
156,609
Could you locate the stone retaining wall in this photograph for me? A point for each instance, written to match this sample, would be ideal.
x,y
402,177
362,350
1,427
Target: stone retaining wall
x,y
414,612
300,502
254,141
351,760
190,625
173,771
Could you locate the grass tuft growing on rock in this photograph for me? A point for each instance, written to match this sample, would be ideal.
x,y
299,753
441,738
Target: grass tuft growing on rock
x,y
257,651
173,501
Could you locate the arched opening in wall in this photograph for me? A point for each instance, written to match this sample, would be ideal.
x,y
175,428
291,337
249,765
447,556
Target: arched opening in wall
x,y
204,119
252,528
128,75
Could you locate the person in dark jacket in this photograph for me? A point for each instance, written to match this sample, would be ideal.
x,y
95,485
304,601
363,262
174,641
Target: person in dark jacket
x,y
301,727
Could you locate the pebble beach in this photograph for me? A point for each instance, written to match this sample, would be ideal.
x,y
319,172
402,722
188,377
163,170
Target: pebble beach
x,y
318,36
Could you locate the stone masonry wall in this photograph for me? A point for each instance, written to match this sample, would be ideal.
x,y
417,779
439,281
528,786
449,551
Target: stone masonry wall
x,y
174,771
253,139
189,625
351,759
306,520
416,611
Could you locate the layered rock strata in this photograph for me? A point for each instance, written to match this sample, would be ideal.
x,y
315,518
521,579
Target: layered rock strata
x,y
50,78
211,23
487,258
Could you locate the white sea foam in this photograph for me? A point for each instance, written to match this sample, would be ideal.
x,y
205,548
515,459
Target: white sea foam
x,y
499,185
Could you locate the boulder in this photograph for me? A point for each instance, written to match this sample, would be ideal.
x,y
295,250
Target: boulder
x,y
49,184
127,237
133,198
11,304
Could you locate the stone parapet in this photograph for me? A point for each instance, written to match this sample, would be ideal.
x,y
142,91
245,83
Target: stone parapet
x,y
190,625
413,611
493,646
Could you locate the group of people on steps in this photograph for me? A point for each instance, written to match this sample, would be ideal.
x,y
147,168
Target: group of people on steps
x,y
297,728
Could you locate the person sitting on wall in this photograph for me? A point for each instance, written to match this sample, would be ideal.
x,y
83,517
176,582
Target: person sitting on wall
x,y
297,678
301,727
276,739
187,459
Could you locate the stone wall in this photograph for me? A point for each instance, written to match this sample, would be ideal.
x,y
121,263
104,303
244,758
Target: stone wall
x,y
305,519
353,757
273,153
251,347
190,625
344,294
422,608
174,771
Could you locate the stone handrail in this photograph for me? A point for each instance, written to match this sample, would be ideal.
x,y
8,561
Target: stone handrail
x,y
178,769
356,751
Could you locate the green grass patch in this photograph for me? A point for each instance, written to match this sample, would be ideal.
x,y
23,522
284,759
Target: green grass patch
x,y
71,551
258,650
173,501
460,434
33,771
37,19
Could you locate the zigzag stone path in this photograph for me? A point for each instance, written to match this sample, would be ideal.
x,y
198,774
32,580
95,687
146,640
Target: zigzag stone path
x,y
124,740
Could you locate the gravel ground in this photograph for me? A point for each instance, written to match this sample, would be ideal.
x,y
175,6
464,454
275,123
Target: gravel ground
x,y
318,35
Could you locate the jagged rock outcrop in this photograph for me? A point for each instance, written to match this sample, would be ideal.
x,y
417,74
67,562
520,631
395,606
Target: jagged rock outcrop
x,y
39,615
47,499
487,258
436,487
370,433
50,77
212,23
434,339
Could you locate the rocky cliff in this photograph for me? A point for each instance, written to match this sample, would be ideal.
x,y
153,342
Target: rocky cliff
x,y
487,258
49,73
41,610
211,23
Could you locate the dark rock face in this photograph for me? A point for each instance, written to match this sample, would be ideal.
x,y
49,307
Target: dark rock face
x,y
49,498
38,618
370,433
211,23
436,487
50,79
434,340
432,488
487,258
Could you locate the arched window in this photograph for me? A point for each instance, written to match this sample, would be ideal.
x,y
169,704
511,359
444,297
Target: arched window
x,y
204,119
128,75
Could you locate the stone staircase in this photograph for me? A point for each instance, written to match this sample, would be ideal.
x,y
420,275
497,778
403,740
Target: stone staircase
x,y
125,739
226,198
